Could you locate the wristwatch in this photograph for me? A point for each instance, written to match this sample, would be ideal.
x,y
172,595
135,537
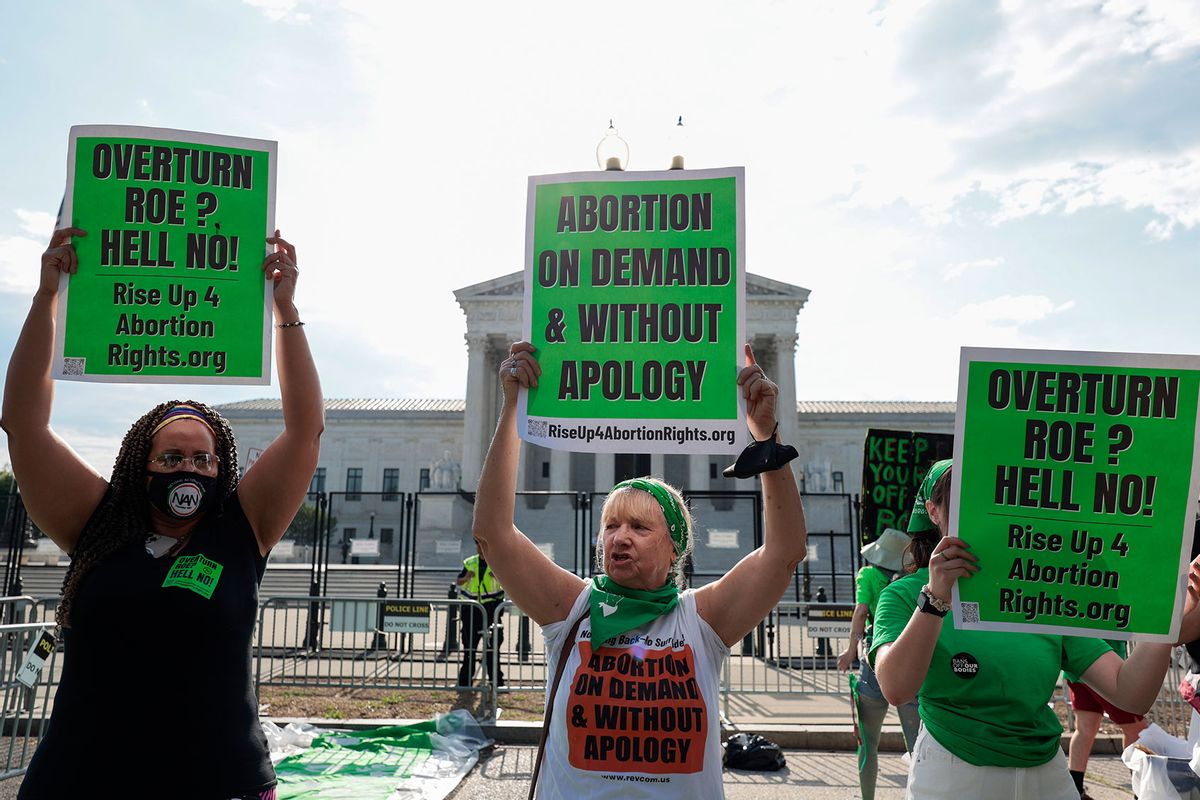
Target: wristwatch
x,y
929,604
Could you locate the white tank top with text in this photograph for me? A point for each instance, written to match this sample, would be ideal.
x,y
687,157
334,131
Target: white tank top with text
x,y
638,716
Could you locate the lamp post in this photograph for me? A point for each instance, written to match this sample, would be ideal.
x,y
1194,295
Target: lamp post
x,y
678,144
612,153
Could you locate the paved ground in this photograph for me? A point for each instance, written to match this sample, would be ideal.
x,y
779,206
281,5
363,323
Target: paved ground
x,y
809,774
819,775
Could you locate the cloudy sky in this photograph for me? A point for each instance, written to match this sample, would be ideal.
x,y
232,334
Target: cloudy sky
x,y
938,174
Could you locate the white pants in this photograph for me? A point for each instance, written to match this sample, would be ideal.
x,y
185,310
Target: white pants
x,y
936,774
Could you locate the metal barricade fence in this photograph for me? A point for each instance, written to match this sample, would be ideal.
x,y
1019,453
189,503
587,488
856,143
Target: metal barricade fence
x,y
25,710
521,656
781,658
340,643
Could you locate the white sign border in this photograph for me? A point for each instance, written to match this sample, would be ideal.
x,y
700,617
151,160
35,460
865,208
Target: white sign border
x,y
1083,358
171,135
742,437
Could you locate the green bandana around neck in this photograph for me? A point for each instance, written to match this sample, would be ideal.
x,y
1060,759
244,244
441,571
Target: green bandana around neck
x,y
676,522
616,609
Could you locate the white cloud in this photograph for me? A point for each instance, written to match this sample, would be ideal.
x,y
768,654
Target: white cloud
x,y
38,224
20,258
1058,107
1167,187
98,450
21,255
281,10
1009,311
960,268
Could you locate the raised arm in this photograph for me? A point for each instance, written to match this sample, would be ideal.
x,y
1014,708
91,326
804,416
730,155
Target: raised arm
x,y
741,598
275,487
1133,684
539,587
60,489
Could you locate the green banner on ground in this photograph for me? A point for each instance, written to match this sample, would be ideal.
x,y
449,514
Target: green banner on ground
x,y
170,286
422,761
634,290
1075,484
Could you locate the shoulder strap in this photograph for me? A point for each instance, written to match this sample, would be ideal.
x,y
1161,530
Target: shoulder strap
x,y
564,654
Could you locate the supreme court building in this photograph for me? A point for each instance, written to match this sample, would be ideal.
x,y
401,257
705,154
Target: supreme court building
x,y
386,447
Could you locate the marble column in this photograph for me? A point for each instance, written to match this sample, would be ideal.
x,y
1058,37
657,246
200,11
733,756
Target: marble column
x,y
476,424
606,466
785,369
656,465
698,480
560,470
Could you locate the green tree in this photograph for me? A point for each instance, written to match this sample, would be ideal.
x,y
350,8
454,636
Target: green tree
x,y
300,530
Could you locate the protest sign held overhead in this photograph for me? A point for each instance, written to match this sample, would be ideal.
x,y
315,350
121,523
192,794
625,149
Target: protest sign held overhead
x,y
170,286
894,462
1075,481
634,290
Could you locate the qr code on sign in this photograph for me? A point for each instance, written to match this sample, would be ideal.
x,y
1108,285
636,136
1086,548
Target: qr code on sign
x,y
970,612
74,366
537,427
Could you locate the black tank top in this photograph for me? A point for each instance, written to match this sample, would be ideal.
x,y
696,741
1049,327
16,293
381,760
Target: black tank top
x,y
157,693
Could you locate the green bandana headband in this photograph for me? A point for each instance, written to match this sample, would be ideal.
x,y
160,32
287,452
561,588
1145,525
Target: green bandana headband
x,y
919,520
676,522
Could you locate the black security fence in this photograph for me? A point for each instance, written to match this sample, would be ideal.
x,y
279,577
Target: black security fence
x,y
412,544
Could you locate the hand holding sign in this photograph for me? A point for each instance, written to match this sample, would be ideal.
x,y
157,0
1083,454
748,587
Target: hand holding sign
x,y
59,258
1189,629
280,267
520,369
950,561
760,394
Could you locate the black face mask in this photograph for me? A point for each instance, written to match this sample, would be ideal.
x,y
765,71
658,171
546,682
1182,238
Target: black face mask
x,y
181,495
759,457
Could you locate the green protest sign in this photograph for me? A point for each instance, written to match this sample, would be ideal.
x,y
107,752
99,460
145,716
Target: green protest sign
x,y
170,286
1076,477
894,462
634,291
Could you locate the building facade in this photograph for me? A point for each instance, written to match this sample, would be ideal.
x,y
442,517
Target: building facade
x,y
377,450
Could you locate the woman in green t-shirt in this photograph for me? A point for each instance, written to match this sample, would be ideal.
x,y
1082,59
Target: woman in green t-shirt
x,y
884,558
988,731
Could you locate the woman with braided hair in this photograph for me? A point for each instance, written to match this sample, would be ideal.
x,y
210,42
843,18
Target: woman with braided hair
x,y
159,603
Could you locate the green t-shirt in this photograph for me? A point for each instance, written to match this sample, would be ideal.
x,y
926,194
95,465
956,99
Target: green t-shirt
x,y
985,696
868,585
1116,645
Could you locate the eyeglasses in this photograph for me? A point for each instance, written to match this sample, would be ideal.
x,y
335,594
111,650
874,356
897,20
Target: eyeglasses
x,y
203,462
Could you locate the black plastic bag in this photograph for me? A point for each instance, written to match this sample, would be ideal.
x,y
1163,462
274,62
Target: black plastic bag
x,y
753,752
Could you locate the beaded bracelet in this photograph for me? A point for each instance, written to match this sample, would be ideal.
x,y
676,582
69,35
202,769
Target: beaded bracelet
x,y
295,324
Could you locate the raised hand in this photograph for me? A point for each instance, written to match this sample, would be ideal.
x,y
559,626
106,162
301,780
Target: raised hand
x,y
519,369
1189,629
761,395
59,258
280,267
951,560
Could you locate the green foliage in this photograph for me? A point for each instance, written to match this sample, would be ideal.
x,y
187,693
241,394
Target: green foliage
x,y
301,528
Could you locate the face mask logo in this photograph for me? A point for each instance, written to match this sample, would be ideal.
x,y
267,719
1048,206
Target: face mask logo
x,y
185,497
180,496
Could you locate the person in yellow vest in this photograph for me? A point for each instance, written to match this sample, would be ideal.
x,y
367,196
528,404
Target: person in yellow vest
x,y
478,582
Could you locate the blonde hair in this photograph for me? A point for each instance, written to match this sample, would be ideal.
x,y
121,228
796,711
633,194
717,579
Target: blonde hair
x,y
630,503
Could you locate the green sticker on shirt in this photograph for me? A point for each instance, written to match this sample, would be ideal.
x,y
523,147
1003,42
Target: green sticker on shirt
x,y
196,572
